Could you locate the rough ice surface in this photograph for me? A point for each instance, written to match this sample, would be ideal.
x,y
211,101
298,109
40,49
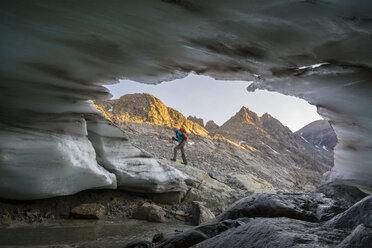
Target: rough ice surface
x,y
56,55
40,164
136,170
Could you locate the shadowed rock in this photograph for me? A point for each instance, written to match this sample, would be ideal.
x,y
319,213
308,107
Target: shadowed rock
x,y
360,213
310,207
360,237
276,232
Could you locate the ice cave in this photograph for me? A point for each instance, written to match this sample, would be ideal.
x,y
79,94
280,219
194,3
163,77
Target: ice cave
x,y
56,55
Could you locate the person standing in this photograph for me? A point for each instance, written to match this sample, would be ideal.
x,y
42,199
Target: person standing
x,y
181,138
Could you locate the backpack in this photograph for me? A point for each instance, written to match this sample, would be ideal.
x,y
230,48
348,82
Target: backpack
x,y
185,135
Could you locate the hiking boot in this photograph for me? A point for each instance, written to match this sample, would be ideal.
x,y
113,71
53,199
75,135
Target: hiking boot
x,y
185,163
173,159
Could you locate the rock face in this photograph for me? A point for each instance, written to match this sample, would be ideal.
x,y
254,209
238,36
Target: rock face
x,y
360,237
360,213
205,189
268,135
147,109
195,119
211,126
319,133
89,211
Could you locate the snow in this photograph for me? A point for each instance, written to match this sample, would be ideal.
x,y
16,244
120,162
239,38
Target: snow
x,y
312,66
305,139
270,148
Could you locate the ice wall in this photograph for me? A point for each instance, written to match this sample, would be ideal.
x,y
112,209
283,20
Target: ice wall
x,y
56,55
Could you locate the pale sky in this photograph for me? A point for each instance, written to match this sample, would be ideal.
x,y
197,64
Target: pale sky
x,y
218,100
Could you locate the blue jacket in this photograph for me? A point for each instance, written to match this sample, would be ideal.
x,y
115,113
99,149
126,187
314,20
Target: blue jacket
x,y
180,136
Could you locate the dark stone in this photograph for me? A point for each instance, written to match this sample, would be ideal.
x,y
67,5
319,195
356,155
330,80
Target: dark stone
x,y
359,213
183,240
360,237
139,243
312,207
214,228
344,195
278,233
159,237
200,213
218,176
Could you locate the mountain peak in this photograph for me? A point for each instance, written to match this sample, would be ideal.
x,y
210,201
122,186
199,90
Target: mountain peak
x,y
245,115
144,108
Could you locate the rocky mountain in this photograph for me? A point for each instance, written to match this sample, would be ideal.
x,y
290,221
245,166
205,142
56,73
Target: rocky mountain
x,y
269,135
147,109
257,151
195,119
319,133
211,126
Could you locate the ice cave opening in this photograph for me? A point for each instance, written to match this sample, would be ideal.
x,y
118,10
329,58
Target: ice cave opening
x,y
57,55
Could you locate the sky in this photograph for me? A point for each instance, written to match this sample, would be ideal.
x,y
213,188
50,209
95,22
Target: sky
x,y
219,100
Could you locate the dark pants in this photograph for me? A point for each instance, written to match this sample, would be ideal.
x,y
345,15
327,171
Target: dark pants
x,y
180,146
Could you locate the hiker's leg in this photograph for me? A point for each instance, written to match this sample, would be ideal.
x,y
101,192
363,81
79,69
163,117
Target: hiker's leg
x,y
183,153
175,151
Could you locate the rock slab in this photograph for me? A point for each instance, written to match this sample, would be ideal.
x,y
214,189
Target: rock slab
x,y
150,212
200,213
359,213
89,211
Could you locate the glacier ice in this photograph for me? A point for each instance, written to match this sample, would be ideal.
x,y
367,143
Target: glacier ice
x,y
136,170
40,164
56,55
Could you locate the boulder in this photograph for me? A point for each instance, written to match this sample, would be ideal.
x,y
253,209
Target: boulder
x,y
158,237
183,240
344,195
278,233
360,237
139,243
359,213
89,211
312,207
150,212
168,198
214,193
200,213
218,176
249,183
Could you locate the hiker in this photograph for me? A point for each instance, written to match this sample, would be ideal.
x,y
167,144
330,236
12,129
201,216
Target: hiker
x,y
181,138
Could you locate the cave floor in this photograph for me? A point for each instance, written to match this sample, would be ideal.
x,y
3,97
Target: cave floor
x,y
84,233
